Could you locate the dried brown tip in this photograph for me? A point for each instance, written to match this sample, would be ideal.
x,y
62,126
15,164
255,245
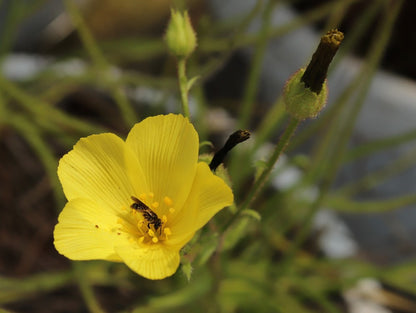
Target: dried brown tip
x,y
234,139
316,72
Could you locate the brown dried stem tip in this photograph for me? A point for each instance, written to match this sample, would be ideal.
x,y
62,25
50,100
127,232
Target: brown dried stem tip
x,y
234,139
315,73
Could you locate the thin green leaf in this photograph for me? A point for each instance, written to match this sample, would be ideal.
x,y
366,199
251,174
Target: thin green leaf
x,y
347,205
191,82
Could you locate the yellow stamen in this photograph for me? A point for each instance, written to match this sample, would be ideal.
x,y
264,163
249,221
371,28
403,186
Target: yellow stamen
x,y
167,232
168,201
140,224
164,219
146,232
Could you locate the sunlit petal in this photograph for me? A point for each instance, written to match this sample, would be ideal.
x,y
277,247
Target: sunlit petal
x,y
96,169
209,194
85,232
153,262
167,149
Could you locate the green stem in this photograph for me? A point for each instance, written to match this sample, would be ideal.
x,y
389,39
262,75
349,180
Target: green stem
x,y
200,121
376,52
270,123
260,182
376,146
33,137
255,71
18,289
85,35
374,178
361,26
342,204
280,148
104,69
183,86
12,21
44,113
86,289
139,49
5,311
218,45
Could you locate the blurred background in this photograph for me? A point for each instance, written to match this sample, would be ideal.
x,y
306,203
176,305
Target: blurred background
x,y
73,68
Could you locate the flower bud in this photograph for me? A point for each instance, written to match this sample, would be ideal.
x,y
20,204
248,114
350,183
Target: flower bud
x,y
306,91
300,101
180,36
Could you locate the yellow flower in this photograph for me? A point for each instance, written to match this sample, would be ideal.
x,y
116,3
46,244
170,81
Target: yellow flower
x,y
137,201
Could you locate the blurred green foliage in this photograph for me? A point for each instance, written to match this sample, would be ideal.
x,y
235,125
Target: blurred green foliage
x,y
253,257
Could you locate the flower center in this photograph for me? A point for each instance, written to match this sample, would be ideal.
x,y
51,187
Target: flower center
x,y
148,218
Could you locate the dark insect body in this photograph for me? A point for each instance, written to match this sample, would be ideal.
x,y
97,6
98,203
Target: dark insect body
x,y
150,216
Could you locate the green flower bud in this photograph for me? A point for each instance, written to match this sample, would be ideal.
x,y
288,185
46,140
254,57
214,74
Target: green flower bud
x,y
306,91
180,36
300,101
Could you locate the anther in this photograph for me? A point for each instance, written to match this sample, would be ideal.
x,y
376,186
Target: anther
x,y
167,232
155,205
168,201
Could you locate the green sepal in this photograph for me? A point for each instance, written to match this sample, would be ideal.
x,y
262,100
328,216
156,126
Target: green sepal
x,y
301,102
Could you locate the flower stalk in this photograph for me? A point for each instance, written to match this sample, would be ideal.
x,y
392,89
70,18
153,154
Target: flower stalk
x,y
280,148
259,183
86,289
183,86
181,42
304,97
306,92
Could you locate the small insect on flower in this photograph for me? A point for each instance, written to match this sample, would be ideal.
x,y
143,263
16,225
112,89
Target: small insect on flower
x,y
150,216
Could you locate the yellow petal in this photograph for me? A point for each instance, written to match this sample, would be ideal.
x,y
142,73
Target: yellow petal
x,y
212,192
209,194
152,262
85,232
167,149
103,169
